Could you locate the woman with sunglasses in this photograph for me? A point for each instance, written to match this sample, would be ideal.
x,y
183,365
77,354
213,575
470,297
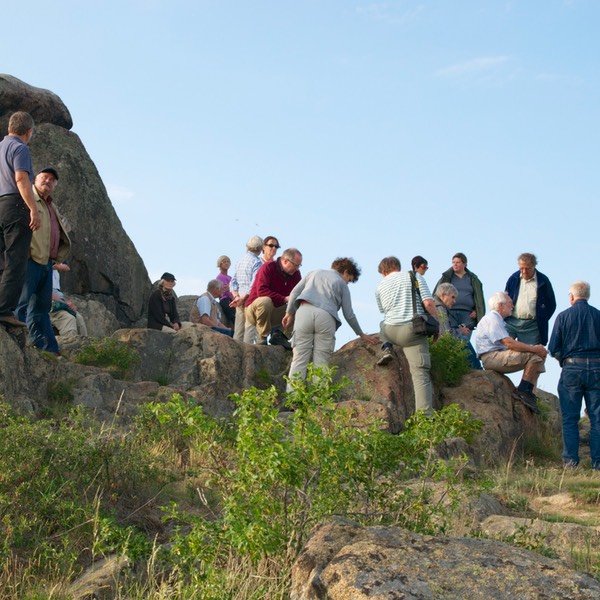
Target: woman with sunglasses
x,y
270,247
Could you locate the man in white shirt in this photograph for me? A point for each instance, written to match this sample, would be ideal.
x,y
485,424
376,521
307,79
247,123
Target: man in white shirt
x,y
207,310
501,353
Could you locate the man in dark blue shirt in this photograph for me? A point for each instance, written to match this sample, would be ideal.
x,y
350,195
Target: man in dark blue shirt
x,y
575,343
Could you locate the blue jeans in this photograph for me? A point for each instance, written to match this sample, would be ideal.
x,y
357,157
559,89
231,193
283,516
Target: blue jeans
x,y
474,362
577,381
35,304
15,238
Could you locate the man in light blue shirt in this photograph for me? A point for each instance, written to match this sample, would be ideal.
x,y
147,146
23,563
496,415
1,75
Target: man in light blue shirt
x,y
501,353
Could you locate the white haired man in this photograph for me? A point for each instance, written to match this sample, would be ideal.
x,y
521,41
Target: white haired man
x,y
241,284
207,310
501,353
575,343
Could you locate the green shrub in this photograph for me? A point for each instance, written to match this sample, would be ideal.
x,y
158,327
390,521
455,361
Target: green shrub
x,y
58,481
278,478
113,354
449,360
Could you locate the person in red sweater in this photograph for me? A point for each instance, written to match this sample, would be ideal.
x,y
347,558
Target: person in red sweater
x,y
267,302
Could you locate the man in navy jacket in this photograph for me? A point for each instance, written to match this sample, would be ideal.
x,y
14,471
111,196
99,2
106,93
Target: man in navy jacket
x,y
534,301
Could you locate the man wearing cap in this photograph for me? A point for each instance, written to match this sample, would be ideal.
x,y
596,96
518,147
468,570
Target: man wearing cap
x,y
162,306
50,244
19,215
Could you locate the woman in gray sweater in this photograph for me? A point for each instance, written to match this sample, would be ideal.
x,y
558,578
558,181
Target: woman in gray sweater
x,y
313,310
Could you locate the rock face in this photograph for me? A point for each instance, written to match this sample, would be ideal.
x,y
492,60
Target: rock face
x,y
198,363
345,561
105,265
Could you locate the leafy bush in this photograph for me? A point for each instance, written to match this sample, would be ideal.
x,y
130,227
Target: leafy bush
x,y
57,482
449,360
278,478
109,353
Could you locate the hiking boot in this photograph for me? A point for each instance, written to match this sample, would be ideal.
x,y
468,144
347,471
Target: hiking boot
x,y
528,399
278,339
386,358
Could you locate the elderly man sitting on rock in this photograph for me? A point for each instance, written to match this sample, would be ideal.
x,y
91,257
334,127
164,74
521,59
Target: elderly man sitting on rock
x,y
207,310
501,353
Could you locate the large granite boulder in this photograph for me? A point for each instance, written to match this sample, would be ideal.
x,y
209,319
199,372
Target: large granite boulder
x,y
343,560
105,265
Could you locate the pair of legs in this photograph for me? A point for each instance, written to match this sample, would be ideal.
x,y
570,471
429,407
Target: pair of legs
x,y
314,339
35,304
264,316
580,381
68,325
416,350
510,361
15,239
243,331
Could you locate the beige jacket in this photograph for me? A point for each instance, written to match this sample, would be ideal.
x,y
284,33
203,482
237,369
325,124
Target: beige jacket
x,y
40,240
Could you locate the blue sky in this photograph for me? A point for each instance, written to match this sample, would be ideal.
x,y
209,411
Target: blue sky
x,y
345,128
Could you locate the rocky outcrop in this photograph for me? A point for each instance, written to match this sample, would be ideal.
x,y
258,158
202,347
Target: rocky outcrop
x,y
105,265
198,363
387,393
562,538
343,560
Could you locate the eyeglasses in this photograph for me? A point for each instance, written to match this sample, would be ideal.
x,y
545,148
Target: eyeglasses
x,y
291,261
273,245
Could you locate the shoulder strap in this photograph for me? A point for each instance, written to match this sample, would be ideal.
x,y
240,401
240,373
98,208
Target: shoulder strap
x,y
413,289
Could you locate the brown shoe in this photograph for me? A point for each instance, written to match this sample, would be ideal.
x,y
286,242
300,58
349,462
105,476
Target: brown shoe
x,y
12,320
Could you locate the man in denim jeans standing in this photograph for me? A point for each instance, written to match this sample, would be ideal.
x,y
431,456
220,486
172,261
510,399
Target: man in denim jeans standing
x,y
575,343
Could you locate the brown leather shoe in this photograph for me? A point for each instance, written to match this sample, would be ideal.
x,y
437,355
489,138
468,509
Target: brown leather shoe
x,y
12,320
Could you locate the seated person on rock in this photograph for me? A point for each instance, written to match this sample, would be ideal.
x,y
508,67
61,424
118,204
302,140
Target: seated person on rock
x,y
269,296
223,264
207,310
501,353
444,299
64,316
162,307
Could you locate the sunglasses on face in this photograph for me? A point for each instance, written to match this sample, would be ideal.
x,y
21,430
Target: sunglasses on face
x,y
273,245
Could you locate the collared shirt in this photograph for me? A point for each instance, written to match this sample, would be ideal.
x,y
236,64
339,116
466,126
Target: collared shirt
x,y
14,156
208,305
526,300
394,297
576,332
245,272
490,330
54,228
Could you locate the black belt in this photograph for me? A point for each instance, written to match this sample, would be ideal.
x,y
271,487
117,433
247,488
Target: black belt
x,y
581,360
10,196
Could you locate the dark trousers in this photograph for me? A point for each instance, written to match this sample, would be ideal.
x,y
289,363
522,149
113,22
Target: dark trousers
x,y
15,238
35,305
579,382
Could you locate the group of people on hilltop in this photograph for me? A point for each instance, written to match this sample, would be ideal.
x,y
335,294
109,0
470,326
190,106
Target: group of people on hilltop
x,y
273,303
34,243
511,337
267,301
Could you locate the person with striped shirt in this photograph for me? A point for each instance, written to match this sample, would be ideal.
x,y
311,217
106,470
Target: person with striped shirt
x,y
394,299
